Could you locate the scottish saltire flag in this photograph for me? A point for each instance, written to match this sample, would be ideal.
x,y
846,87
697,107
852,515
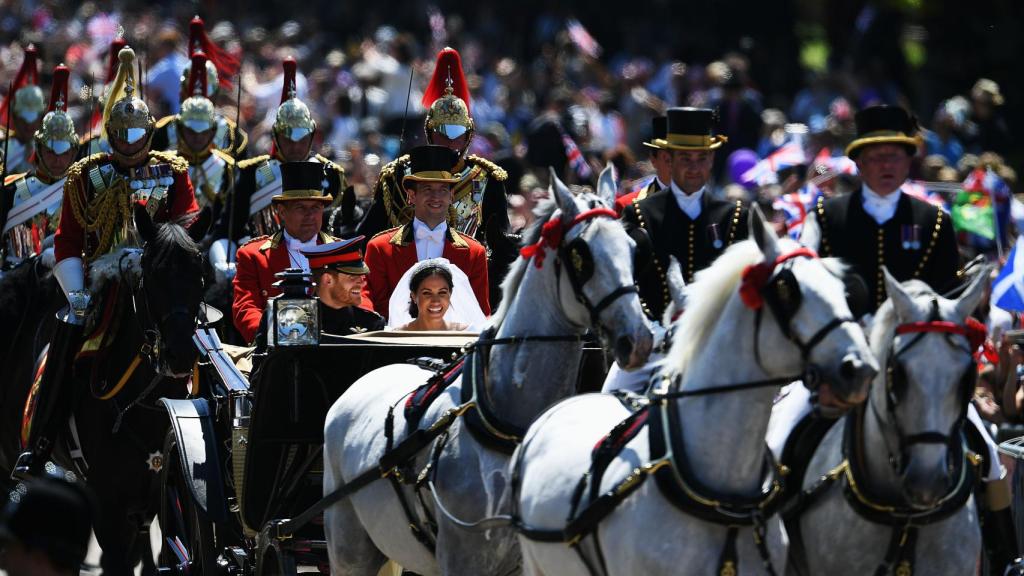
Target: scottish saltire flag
x,y
1008,288
796,206
764,172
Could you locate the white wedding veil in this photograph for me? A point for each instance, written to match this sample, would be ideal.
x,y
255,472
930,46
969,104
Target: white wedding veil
x,y
464,308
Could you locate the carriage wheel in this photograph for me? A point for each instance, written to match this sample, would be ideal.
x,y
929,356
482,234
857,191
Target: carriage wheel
x,y
276,562
188,536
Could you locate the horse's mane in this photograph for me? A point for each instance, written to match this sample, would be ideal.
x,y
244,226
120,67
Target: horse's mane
x,y
125,262
510,285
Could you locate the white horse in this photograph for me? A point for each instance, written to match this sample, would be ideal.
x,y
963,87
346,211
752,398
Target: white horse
x,y
585,281
902,450
717,434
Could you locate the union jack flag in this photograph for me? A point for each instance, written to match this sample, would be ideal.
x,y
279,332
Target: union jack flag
x,y
582,39
795,206
575,157
919,190
764,172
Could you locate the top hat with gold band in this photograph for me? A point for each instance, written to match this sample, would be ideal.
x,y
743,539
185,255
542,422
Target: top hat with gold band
x,y
432,163
659,131
303,181
343,256
690,129
884,125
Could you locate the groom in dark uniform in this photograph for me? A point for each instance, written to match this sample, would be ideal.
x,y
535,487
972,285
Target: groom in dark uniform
x,y
683,220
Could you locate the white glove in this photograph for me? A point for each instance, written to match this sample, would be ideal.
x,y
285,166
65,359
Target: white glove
x,y
223,271
70,275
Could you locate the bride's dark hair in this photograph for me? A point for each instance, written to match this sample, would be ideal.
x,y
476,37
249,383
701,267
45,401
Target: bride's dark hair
x,y
423,274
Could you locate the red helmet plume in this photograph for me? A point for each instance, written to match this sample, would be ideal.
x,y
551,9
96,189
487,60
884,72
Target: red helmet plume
x,y
227,64
448,66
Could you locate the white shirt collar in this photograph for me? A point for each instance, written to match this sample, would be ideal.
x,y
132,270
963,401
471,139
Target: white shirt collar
x,y
661,185
880,208
688,203
429,242
295,248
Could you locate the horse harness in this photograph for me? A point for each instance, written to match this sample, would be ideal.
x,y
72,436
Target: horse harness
x,y
902,519
675,478
483,423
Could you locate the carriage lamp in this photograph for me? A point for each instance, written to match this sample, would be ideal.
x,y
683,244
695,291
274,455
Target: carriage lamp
x,y
294,314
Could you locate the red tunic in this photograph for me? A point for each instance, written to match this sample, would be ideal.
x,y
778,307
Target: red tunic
x,y
392,252
626,199
70,240
257,262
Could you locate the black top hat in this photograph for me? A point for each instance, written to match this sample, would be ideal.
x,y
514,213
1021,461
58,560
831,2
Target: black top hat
x,y
659,130
432,163
303,181
50,515
690,129
884,125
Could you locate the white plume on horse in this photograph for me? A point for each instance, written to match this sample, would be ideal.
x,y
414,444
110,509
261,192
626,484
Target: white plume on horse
x,y
721,440
545,306
932,399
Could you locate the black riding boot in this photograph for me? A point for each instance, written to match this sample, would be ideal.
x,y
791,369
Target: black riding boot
x,y
53,401
999,537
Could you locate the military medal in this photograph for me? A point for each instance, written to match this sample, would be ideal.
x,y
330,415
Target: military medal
x,y
910,236
714,236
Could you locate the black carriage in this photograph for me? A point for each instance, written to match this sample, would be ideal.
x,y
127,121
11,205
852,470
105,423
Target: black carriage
x,y
244,457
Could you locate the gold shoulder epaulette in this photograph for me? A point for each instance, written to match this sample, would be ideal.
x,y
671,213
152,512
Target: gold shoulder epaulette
x,y
256,239
165,121
250,162
224,156
331,164
76,169
495,171
178,164
237,147
389,169
382,232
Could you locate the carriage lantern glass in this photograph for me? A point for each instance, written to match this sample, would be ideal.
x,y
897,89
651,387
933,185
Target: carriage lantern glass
x,y
295,314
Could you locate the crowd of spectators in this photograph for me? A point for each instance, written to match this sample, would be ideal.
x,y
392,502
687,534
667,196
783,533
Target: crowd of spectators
x,y
597,74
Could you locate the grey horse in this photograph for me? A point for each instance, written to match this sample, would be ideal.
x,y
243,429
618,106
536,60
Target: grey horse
x,y
929,397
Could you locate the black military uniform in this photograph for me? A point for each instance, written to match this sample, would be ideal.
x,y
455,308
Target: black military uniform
x,y
349,320
918,242
661,228
342,256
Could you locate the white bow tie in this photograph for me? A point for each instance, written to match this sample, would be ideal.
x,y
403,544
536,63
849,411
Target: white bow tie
x,y
436,235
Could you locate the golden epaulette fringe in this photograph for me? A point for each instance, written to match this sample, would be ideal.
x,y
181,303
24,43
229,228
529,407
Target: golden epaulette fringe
x,y
248,163
495,171
178,164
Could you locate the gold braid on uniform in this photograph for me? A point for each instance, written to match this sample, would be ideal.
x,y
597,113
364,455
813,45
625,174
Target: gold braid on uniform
x,y
492,169
342,179
250,162
388,178
178,164
102,215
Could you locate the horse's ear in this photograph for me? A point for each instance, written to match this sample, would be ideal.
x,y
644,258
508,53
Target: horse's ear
x,y
971,297
144,224
763,234
606,186
563,197
901,301
201,225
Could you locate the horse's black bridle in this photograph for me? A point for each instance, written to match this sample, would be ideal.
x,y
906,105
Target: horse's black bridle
x,y
150,327
896,384
579,261
774,284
